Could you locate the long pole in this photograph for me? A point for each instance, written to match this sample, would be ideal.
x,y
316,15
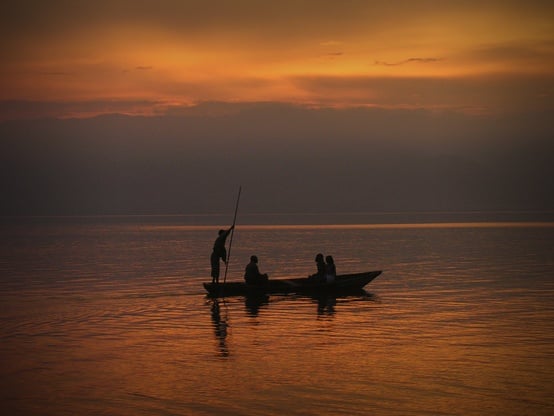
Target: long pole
x,y
232,233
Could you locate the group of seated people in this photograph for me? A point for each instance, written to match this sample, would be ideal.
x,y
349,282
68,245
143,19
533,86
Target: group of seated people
x,y
326,271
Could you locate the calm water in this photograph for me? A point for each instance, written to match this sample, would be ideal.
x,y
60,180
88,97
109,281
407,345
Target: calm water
x,y
110,317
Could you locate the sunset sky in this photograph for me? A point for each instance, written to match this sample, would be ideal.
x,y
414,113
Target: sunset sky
x,y
483,61
79,58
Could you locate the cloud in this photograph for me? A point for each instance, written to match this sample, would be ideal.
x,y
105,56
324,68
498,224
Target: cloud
x,y
331,43
244,19
55,73
409,61
144,68
511,56
492,94
29,110
333,55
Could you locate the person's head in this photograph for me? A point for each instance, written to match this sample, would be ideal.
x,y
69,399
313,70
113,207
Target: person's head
x,y
319,257
221,232
253,259
329,259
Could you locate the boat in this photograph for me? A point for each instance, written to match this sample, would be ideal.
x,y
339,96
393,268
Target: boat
x,y
304,285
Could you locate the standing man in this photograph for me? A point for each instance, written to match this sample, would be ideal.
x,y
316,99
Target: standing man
x,y
219,252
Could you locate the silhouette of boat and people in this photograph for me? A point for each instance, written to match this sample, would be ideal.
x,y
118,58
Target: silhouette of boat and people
x,y
325,278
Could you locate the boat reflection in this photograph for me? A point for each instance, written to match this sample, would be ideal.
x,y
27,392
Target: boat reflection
x,y
326,306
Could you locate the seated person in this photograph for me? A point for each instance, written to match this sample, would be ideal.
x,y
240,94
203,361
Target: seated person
x,y
252,275
321,269
330,269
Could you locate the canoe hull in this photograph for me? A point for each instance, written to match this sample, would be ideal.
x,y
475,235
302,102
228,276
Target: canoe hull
x,y
343,283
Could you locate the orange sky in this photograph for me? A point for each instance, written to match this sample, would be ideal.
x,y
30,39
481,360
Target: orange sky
x,y
476,56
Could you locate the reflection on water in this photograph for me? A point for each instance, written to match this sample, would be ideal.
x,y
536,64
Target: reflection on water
x,y
254,302
220,327
273,310
326,305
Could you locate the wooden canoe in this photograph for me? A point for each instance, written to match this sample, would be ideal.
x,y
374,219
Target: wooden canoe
x,y
341,284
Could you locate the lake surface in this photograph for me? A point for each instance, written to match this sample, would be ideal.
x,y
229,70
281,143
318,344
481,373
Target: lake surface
x,y
109,316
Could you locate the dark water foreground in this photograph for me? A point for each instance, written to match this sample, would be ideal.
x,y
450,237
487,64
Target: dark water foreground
x,y
111,318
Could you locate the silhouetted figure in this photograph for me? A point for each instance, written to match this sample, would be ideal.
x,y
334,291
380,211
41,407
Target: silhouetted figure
x,y
252,274
330,269
219,252
321,270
